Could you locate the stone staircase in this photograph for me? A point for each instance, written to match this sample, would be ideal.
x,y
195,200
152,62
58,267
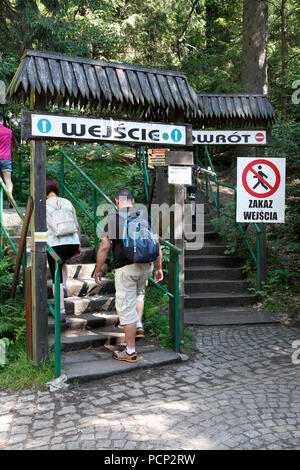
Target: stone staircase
x,y
92,329
216,292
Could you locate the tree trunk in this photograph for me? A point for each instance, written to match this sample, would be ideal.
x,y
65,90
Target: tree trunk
x,y
255,42
211,14
284,57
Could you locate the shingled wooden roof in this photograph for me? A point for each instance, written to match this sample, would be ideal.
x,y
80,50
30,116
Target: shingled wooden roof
x,y
238,109
150,92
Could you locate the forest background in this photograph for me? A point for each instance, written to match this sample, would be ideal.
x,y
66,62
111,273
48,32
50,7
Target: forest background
x,y
224,46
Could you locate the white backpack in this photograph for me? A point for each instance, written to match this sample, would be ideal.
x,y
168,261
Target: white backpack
x,y
61,221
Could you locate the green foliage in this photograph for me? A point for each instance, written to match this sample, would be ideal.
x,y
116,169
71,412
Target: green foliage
x,y
5,277
203,39
22,373
286,142
18,372
156,323
228,229
277,293
12,311
156,320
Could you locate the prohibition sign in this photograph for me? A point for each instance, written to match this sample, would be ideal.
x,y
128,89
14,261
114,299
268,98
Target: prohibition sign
x,y
272,189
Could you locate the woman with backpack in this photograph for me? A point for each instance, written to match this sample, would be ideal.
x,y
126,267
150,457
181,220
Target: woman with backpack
x,y
63,235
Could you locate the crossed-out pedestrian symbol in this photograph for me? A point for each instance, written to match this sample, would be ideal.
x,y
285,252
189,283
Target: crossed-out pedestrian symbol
x,y
266,177
260,181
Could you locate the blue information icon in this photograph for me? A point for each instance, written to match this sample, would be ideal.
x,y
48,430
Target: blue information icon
x,y
44,126
176,135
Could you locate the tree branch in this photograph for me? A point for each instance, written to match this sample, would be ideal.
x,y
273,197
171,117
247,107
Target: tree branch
x,y
188,21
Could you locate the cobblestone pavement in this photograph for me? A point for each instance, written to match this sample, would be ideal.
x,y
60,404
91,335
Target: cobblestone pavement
x,y
239,391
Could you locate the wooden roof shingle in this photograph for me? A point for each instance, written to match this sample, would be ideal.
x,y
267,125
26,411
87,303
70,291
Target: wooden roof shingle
x,y
238,109
154,92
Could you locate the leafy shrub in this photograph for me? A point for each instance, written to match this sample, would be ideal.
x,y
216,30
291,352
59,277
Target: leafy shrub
x,y
228,229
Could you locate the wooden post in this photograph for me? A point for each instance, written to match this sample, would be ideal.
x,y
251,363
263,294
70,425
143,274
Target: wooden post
x,y
176,229
28,311
263,254
38,247
263,242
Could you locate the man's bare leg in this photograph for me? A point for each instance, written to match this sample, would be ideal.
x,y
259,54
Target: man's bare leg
x,y
7,181
130,332
140,309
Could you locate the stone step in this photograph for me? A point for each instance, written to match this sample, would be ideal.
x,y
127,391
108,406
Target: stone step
x,y
84,287
88,304
208,249
207,236
212,273
74,340
87,321
223,316
86,367
206,227
11,219
80,271
86,256
224,299
213,285
212,260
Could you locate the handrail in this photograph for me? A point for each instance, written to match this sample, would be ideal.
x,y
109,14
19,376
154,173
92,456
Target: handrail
x,y
216,200
96,190
21,255
56,311
3,189
141,160
143,167
83,175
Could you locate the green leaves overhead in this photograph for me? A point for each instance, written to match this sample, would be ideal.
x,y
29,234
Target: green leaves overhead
x,y
202,38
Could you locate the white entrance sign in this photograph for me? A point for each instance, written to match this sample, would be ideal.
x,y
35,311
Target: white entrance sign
x,y
81,128
233,137
260,190
179,174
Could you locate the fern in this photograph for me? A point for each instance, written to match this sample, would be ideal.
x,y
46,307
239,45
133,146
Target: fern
x,y
5,327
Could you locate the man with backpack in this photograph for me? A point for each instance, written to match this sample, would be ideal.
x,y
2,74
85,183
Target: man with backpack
x,y
134,250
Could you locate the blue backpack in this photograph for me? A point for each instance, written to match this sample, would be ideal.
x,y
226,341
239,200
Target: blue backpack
x,y
138,243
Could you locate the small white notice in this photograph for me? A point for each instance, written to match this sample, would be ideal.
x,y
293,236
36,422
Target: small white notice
x,y
180,175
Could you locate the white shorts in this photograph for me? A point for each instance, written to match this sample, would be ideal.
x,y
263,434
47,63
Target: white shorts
x,y
130,283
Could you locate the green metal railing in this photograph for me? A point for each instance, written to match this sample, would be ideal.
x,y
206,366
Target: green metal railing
x,y
65,189
142,162
141,158
173,292
54,311
216,200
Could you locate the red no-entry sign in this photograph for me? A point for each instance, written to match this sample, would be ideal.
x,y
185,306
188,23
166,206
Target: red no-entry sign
x,y
262,177
260,190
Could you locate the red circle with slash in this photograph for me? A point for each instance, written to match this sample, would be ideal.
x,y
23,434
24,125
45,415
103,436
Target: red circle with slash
x,y
272,189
